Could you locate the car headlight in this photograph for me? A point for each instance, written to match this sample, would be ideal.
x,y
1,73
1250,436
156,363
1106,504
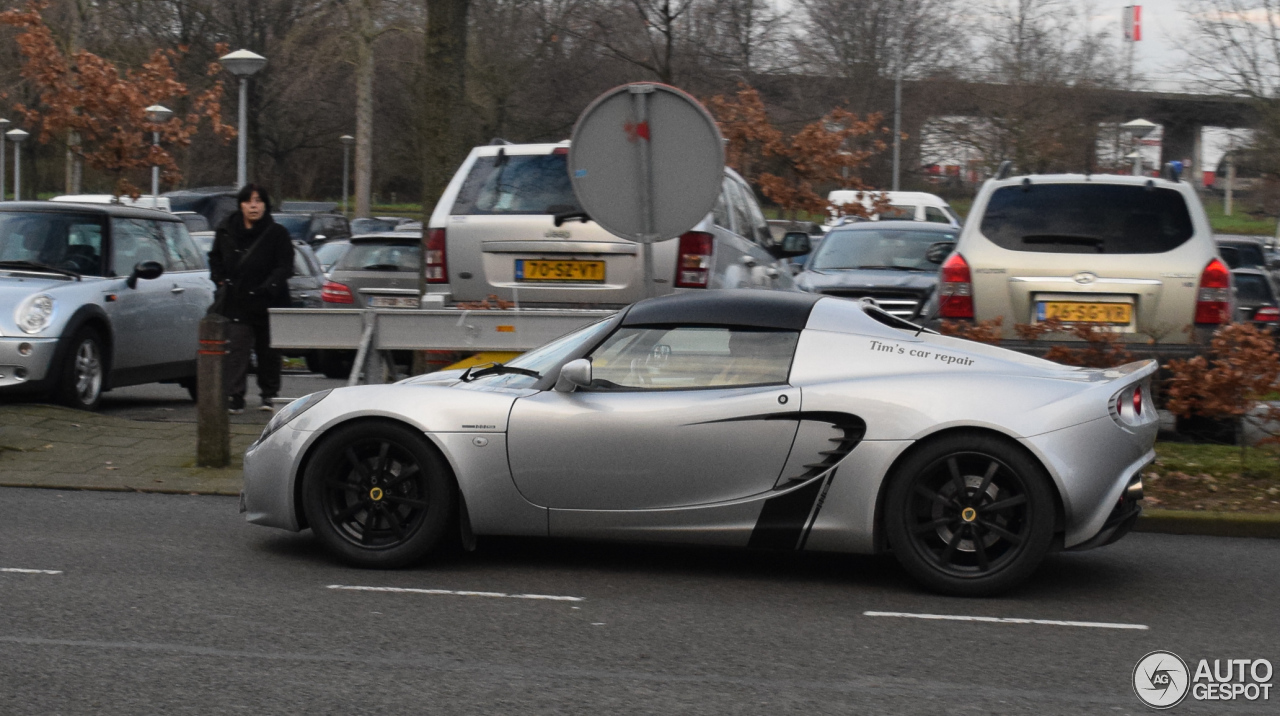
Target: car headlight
x,y
291,411
35,313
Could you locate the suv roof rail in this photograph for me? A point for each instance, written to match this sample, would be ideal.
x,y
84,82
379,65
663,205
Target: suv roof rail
x,y
1006,168
499,141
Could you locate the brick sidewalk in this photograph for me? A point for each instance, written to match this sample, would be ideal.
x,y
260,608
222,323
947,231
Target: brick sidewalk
x,y
49,446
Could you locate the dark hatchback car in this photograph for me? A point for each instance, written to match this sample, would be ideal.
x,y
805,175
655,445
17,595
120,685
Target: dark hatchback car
x,y
1242,253
313,227
1256,298
893,262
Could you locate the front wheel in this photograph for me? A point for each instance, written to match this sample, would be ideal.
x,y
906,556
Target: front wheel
x,y
378,494
82,372
970,515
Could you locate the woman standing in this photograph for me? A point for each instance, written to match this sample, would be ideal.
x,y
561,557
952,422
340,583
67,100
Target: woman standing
x,y
251,262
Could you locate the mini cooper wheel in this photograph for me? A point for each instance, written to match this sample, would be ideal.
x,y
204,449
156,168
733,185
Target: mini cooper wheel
x,y
83,371
377,494
970,515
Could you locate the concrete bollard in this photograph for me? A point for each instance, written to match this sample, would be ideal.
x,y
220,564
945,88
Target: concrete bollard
x,y
213,431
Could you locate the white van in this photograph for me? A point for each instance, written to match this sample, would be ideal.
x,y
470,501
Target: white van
x,y
145,201
903,205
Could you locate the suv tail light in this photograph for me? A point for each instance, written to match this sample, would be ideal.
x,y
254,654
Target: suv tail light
x,y
435,268
333,292
1267,314
1213,303
956,289
693,267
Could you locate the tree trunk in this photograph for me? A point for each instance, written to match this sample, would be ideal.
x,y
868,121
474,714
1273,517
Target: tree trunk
x,y
444,83
364,37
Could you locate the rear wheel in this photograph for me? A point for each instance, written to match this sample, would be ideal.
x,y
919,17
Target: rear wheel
x,y
970,514
83,371
378,494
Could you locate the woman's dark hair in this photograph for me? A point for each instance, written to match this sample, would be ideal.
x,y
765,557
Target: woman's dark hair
x,y
247,191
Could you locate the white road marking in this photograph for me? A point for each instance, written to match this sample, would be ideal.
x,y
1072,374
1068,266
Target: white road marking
x,y
450,592
1006,620
30,571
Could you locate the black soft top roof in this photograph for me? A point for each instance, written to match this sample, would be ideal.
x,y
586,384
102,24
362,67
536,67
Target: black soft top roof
x,y
754,308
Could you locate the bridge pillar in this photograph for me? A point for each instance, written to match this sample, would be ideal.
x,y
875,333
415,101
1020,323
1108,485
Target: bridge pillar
x,y
1182,143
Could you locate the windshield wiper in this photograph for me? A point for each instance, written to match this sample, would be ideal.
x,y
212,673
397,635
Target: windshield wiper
x,y
890,268
1076,239
381,267
39,267
572,216
496,369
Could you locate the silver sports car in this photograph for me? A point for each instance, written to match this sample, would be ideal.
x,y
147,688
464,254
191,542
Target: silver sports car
x,y
747,418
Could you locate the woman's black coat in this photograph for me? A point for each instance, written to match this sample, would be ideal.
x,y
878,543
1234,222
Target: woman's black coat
x,y
255,280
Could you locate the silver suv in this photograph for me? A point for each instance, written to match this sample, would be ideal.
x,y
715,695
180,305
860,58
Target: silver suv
x,y
1133,255
95,296
509,225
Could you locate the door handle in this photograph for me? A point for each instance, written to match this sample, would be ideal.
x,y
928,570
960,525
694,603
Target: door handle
x,y
177,289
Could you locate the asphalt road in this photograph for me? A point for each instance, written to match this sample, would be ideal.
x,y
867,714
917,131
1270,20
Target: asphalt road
x,y
169,402
172,604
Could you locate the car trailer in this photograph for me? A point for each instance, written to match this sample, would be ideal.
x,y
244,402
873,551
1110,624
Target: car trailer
x,y
374,333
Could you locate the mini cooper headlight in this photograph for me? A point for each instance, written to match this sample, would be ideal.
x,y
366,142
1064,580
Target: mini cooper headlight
x,y
35,313
291,411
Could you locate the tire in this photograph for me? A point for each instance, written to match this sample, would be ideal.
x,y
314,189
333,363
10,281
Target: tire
x,y
83,371
336,364
378,494
986,542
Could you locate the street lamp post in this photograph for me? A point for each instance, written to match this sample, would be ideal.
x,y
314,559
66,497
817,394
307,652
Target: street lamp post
x,y
243,64
157,115
4,123
347,140
16,136
1138,129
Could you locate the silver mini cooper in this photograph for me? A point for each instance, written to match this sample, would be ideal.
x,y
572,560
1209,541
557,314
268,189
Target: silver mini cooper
x,y
96,296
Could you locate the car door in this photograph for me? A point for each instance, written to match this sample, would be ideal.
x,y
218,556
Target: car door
x,y
142,317
676,417
191,289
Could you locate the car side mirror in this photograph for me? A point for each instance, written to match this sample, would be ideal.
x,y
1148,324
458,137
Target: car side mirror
x,y
146,270
573,375
938,252
794,243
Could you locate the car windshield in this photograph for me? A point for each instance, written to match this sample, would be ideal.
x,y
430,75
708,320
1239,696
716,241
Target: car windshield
x,y
517,184
382,256
329,253
1242,255
1095,218
67,241
878,248
543,360
295,224
1252,289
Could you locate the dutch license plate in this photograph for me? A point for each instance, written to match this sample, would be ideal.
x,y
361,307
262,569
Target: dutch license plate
x,y
574,271
1073,312
393,302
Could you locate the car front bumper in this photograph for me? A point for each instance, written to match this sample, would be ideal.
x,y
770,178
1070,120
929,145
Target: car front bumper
x,y
18,370
270,465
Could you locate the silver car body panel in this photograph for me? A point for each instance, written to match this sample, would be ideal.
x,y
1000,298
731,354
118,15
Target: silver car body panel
x,y
739,466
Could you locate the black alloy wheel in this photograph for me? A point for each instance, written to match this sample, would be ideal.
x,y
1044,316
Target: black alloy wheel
x,y
377,494
970,514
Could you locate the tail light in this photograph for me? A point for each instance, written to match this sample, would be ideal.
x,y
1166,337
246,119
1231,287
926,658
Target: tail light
x,y
1267,314
956,289
333,292
435,268
693,267
1128,407
1137,401
1213,303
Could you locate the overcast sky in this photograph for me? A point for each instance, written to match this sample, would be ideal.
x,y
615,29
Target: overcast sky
x,y
1158,56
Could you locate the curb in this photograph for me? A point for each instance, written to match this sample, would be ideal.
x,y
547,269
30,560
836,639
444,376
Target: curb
x,y
1212,524
121,488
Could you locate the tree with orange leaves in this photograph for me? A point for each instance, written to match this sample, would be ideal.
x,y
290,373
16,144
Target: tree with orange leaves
x,y
106,108
829,151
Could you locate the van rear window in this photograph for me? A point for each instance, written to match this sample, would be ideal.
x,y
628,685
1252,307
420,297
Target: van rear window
x,y
1087,219
517,184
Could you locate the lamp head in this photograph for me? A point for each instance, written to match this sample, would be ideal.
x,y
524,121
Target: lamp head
x,y
16,135
243,63
1139,128
347,139
158,114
